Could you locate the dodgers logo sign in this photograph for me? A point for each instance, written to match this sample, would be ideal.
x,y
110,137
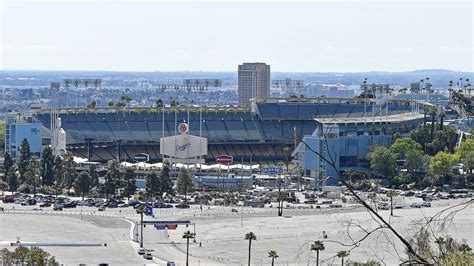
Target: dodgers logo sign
x,y
183,128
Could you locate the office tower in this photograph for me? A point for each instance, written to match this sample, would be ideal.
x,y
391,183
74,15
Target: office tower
x,y
254,82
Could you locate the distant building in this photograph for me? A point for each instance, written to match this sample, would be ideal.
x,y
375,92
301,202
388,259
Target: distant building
x,y
254,82
17,129
319,90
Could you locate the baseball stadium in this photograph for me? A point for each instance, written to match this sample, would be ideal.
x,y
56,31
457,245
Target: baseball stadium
x,y
267,131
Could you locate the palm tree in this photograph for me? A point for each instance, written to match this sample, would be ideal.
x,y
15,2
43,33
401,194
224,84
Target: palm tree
x,y
280,198
342,254
433,115
273,254
441,119
159,103
317,246
391,194
188,235
141,210
250,236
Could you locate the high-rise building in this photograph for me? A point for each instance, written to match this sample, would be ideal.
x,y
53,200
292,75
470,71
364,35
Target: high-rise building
x,y
254,82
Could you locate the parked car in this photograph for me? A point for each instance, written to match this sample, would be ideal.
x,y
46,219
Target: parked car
x,y
9,199
383,206
133,202
148,256
57,207
141,251
162,205
415,205
426,204
45,204
70,204
111,204
101,208
170,263
182,206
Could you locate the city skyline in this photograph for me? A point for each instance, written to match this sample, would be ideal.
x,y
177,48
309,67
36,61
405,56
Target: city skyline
x,y
302,37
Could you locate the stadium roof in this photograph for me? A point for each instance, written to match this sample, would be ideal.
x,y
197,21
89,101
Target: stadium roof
x,y
387,119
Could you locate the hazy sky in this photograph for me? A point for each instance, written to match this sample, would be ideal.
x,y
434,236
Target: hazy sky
x,y
217,36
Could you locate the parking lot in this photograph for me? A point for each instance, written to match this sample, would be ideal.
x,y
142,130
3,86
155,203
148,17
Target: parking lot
x,y
219,230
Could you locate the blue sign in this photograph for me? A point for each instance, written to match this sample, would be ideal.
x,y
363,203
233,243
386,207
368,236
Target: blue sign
x,y
164,223
148,210
160,226
271,170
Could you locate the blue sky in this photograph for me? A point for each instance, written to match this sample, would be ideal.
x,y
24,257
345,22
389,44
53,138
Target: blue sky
x,y
319,36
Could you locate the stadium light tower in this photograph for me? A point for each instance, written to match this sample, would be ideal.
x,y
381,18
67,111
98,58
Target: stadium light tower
x,y
77,83
54,105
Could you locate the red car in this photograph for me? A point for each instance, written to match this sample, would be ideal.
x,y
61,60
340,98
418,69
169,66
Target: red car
x,y
45,205
9,199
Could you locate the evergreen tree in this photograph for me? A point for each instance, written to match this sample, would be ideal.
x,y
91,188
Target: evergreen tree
x,y
7,166
153,185
129,186
58,174
184,183
94,176
166,183
83,184
25,156
47,161
68,171
112,179
33,173
12,178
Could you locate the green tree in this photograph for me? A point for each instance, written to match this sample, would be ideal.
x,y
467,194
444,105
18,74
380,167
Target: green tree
x,y
184,183
317,246
130,179
7,165
445,139
166,183
126,99
250,236
112,179
25,156
401,146
69,171
47,160
58,174
92,104
441,166
466,153
83,184
382,161
414,160
188,235
342,254
273,255
33,173
422,135
94,176
12,178
25,256
153,185
159,103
